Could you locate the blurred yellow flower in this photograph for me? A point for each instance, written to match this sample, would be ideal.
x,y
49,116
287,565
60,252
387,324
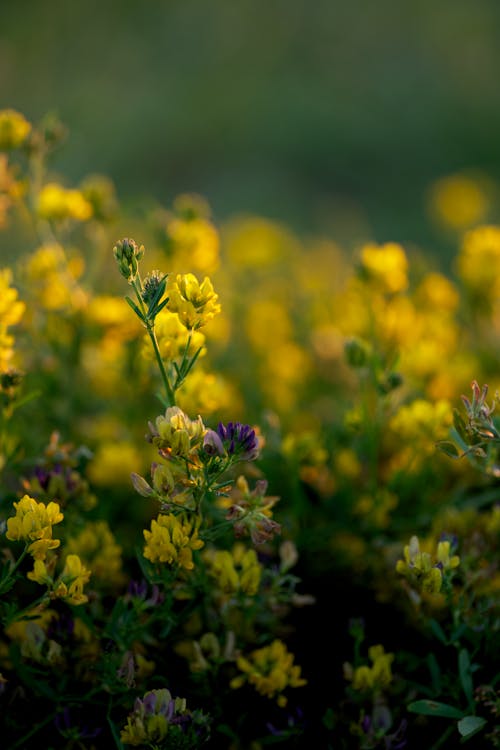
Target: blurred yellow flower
x,y
14,129
56,203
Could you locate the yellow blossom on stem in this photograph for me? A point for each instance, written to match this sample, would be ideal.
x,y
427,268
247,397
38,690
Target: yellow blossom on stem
x,y
422,571
235,570
33,523
375,677
194,303
70,583
270,670
172,540
174,433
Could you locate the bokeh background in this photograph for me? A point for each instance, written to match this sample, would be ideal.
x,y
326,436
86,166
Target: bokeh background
x,y
334,117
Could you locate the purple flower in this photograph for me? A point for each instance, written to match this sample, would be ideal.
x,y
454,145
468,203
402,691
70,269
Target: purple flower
x,y
234,439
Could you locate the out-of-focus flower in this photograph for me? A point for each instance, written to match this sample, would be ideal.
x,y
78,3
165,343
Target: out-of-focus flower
x,y
459,201
371,678
158,715
251,511
56,203
270,670
234,571
14,129
385,266
97,548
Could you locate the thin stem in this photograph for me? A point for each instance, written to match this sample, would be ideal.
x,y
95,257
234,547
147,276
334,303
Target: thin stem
x,y
14,568
152,335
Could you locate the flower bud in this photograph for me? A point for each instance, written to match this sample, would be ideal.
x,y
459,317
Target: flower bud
x,y
128,254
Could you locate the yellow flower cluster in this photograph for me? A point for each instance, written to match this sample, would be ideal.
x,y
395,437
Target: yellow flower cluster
x,y
54,278
172,540
14,129
196,304
459,201
371,678
270,670
97,547
177,434
195,243
236,571
148,724
478,265
56,203
33,523
173,338
69,585
385,266
11,312
423,570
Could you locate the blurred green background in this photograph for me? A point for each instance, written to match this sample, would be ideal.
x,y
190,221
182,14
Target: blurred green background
x,y
332,116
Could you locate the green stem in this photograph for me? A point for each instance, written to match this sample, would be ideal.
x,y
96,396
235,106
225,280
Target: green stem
x,y
14,568
152,335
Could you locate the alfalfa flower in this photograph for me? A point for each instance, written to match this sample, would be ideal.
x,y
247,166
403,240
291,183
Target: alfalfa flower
x,y
371,678
423,571
172,540
270,670
234,571
56,203
33,523
175,434
69,585
128,254
159,718
236,440
14,129
196,304
251,511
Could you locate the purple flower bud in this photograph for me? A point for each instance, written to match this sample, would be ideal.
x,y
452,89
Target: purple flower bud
x,y
212,444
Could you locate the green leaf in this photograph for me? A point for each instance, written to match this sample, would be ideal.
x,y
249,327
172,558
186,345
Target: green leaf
x,y
469,725
449,449
435,673
438,631
434,708
464,670
135,309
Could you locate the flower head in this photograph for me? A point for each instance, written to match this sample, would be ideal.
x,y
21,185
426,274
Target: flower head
x,y
172,540
270,670
33,523
234,439
158,714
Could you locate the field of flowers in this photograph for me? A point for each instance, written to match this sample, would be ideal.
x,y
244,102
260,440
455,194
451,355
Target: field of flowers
x,y
249,483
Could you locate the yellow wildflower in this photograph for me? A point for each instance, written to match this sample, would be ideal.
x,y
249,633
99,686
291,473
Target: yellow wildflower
x,y
195,303
375,677
97,547
56,203
458,201
386,266
424,573
238,570
172,540
175,433
14,129
33,523
270,670
70,583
